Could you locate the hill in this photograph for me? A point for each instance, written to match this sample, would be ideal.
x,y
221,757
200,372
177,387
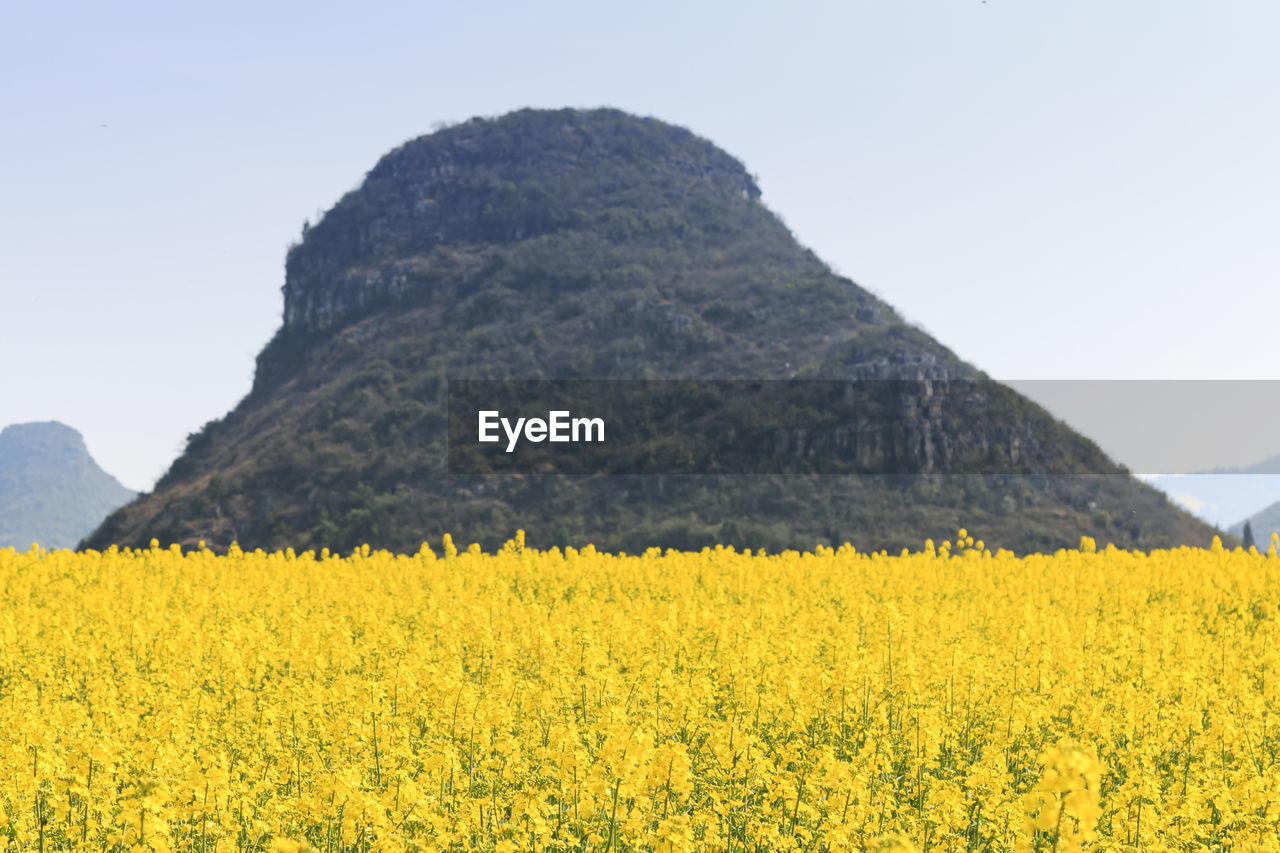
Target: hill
x,y
1266,468
1223,494
52,492
1264,523
595,244
1267,520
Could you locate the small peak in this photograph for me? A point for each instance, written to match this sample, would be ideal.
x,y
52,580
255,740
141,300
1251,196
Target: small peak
x,y
49,433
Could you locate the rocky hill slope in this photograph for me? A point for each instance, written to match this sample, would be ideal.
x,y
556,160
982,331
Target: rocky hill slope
x,y
592,244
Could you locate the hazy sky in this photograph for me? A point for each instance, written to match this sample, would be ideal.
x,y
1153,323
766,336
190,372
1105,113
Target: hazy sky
x,y
1078,190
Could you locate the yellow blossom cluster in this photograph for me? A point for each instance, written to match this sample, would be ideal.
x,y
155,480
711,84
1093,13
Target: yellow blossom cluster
x,y
950,699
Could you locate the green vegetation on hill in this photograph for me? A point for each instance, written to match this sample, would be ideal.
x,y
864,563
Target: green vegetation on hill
x,y
585,244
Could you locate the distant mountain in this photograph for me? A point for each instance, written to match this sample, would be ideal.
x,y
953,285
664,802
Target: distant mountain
x,y
1220,499
593,244
1264,523
1225,496
1266,467
52,492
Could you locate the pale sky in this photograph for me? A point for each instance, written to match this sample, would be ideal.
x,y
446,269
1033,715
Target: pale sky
x,y
1055,190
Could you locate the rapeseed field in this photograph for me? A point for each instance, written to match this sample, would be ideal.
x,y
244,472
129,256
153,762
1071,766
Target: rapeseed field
x,y
950,699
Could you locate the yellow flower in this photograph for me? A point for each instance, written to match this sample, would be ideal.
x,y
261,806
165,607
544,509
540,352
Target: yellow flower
x,y
663,701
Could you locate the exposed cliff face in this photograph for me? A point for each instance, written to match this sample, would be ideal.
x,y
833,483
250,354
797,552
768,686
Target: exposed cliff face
x,y
590,244
494,184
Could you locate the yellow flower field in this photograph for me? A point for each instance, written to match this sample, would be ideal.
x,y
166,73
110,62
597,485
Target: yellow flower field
x,y
951,699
